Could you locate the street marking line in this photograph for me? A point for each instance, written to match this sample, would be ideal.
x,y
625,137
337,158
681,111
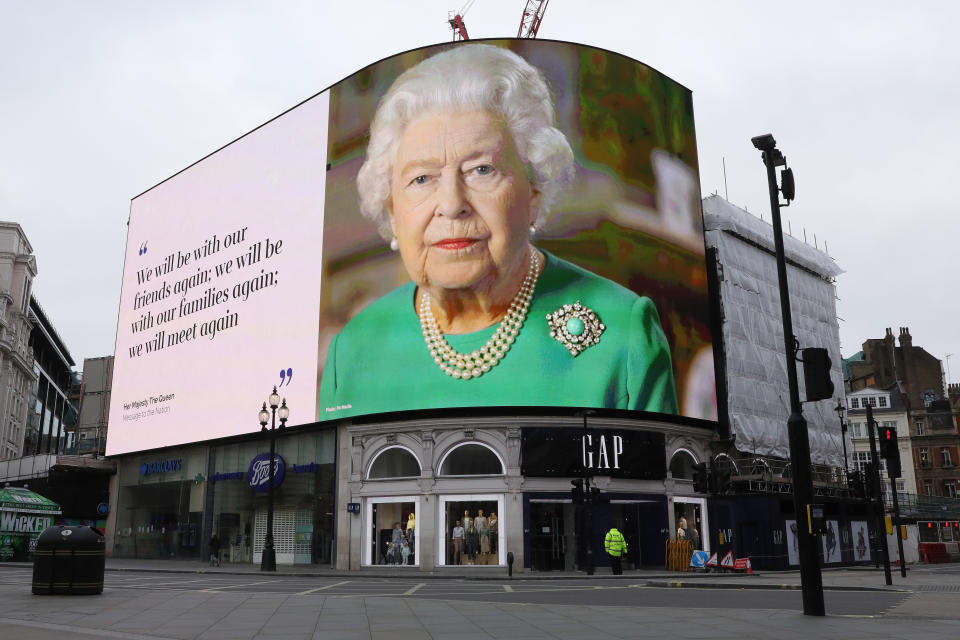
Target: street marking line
x,y
508,588
329,586
233,586
412,590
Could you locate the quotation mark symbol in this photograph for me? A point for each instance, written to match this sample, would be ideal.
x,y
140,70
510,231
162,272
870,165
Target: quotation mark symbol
x,y
143,247
286,374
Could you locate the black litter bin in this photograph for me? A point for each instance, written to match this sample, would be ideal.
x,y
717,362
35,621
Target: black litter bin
x,y
69,560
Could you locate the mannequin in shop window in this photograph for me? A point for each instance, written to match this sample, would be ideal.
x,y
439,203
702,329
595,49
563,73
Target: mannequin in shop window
x,y
411,530
492,523
457,537
395,540
483,534
467,520
473,542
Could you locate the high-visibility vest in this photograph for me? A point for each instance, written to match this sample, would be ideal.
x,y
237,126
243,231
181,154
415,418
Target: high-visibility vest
x,y
614,544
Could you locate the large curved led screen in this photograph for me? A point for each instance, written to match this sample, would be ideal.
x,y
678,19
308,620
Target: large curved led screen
x,y
497,223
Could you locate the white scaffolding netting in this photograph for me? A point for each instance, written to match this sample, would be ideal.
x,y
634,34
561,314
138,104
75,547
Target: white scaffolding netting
x,y
757,390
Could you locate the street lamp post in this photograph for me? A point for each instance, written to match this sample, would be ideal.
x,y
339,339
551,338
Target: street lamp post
x,y
268,557
840,409
811,581
588,497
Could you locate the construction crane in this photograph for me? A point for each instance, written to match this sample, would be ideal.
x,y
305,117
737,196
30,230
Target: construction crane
x,y
459,27
529,22
531,18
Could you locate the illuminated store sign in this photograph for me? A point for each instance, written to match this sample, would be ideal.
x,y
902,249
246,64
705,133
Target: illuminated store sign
x,y
603,452
258,475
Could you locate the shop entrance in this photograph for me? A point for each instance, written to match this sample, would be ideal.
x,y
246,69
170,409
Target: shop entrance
x,y
692,511
553,536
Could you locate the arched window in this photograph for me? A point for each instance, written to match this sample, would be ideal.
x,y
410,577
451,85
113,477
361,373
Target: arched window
x,y
471,460
394,462
725,462
681,465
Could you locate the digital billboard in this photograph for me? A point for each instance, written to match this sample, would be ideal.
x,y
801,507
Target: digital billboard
x,y
479,224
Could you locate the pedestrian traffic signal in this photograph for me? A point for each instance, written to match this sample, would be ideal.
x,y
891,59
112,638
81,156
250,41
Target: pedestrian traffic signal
x,y
816,374
888,442
890,451
701,478
577,491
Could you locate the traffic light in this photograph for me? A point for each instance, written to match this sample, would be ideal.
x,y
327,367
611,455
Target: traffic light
x,y
701,478
816,374
855,484
890,451
577,491
888,442
721,480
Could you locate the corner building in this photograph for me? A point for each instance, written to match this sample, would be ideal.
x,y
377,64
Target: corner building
x,y
507,478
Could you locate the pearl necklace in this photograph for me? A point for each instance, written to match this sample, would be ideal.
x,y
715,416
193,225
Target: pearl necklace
x,y
464,366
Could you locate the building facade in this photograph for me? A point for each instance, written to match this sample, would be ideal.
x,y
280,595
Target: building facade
x,y
889,410
18,267
53,409
89,435
917,377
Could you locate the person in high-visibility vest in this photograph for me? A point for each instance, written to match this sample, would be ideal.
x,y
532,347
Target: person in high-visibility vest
x,y
615,546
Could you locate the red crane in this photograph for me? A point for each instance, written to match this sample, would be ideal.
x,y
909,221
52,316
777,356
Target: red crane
x,y
531,18
459,27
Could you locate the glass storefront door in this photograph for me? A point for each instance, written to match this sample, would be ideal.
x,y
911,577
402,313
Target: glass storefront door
x,y
549,538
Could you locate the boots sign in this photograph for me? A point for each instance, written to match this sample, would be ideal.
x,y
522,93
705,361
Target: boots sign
x,y
557,452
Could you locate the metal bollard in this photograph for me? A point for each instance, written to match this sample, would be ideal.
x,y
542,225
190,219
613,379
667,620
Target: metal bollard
x,y
509,564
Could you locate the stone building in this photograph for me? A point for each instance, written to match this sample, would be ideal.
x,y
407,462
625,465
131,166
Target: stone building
x,y
18,267
917,377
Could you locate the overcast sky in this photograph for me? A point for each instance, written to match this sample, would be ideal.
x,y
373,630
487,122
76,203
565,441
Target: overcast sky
x,y
101,100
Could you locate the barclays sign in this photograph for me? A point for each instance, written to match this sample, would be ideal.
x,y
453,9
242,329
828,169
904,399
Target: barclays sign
x,y
258,475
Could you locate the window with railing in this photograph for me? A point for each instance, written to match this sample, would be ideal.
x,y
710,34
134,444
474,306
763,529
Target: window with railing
x,y
947,458
924,458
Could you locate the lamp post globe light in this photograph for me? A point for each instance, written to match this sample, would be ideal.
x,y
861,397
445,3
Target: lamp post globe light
x,y
268,558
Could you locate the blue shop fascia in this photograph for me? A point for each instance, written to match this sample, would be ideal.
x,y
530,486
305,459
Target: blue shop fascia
x,y
167,503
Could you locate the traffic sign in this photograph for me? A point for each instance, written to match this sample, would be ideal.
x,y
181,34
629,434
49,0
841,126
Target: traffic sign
x,y
727,560
712,562
699,559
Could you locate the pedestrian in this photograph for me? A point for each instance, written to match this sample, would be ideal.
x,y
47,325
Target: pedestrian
x,y
615,546
214,550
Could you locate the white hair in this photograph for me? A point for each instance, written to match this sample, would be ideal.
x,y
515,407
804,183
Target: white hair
x,y
466,78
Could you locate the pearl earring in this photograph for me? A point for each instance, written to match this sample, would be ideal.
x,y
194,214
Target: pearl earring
x,y
394,245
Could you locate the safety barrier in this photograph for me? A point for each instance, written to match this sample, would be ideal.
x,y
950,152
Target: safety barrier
x,y
678,554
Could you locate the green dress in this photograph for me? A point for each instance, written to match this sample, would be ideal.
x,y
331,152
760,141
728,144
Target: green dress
x,y
380,362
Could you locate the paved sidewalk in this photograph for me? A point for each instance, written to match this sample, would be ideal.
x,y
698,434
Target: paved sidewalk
x,y
919,577
146,613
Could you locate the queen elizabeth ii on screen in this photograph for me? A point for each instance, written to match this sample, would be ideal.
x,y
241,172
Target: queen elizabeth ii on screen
x,y
463,163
